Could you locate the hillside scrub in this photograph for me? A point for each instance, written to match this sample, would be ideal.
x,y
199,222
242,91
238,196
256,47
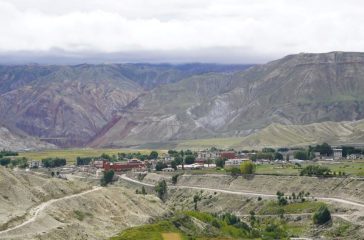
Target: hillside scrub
x,y
202,225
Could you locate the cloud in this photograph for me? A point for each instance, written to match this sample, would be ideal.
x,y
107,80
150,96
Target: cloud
x,y
170,30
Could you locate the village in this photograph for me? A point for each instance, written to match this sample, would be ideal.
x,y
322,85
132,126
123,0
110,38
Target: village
x,y
207,160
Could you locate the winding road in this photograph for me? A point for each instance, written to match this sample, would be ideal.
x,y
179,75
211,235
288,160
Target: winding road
x,y
245,193
34,212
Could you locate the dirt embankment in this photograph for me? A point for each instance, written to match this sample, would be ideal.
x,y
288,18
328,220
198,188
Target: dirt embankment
x,y
96,215
346,188
36,207
20,191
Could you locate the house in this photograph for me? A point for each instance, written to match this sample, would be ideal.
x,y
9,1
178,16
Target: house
x,y
122,166
354,156
338,153
235,162
35,164
190,166
207,155
166,158
228,154
98,163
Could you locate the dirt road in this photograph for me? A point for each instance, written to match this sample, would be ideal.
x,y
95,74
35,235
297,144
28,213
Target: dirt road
x,y
338,200
34,212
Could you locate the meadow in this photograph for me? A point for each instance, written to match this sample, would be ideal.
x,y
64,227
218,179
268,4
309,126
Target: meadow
x,y
71,154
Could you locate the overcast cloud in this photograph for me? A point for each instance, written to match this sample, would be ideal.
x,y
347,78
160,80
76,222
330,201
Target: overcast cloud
x,y
238,31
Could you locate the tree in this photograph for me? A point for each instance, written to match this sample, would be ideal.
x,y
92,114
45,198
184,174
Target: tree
x,y
143,191
174,165
322,215
83,161
175,178
161,189
302,155
53,162
220,162
189,159
324,149
196,199
247,167
4,161
278,156
160,165
153,155
107,178
268,150
281,199
178,159
315,170
235,171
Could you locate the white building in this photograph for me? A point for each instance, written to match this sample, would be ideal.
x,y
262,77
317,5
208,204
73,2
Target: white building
x,y
207,155
338,153
235,162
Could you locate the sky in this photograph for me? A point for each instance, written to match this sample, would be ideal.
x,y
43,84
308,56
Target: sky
x,y
219,31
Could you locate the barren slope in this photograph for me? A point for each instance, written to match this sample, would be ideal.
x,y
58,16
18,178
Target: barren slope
x,y
297,89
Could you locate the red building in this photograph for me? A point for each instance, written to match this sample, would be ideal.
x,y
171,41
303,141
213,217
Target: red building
x,y
228,154
121,166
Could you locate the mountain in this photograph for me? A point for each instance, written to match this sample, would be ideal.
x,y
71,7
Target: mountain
x,y
297,89
69,105
9,140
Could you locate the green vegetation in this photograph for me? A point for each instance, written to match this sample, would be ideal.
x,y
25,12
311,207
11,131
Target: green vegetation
x,y
5,153
315,170
53,162
175,178
186,225
107,178
322,215
83,161
81,215
303,155
71,154
5,161
153,155
160,166
161,189
247,167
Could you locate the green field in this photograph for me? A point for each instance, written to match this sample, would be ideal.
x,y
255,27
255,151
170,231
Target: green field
x,y
352,168
71,154
355,168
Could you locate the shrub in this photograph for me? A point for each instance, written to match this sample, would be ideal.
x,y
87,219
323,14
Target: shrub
x,y
83,161
322,215
247,167
4,161
53,162
175,178
314,170
107,178
189,159
161,189
160,166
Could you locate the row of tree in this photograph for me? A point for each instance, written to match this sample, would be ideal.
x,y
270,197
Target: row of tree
x,y
53,162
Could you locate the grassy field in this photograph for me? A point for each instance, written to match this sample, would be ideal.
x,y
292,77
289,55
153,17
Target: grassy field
x,y
354,168
71,154
272,207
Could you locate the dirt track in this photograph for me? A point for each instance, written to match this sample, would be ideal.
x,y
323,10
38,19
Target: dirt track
x,y
34,212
